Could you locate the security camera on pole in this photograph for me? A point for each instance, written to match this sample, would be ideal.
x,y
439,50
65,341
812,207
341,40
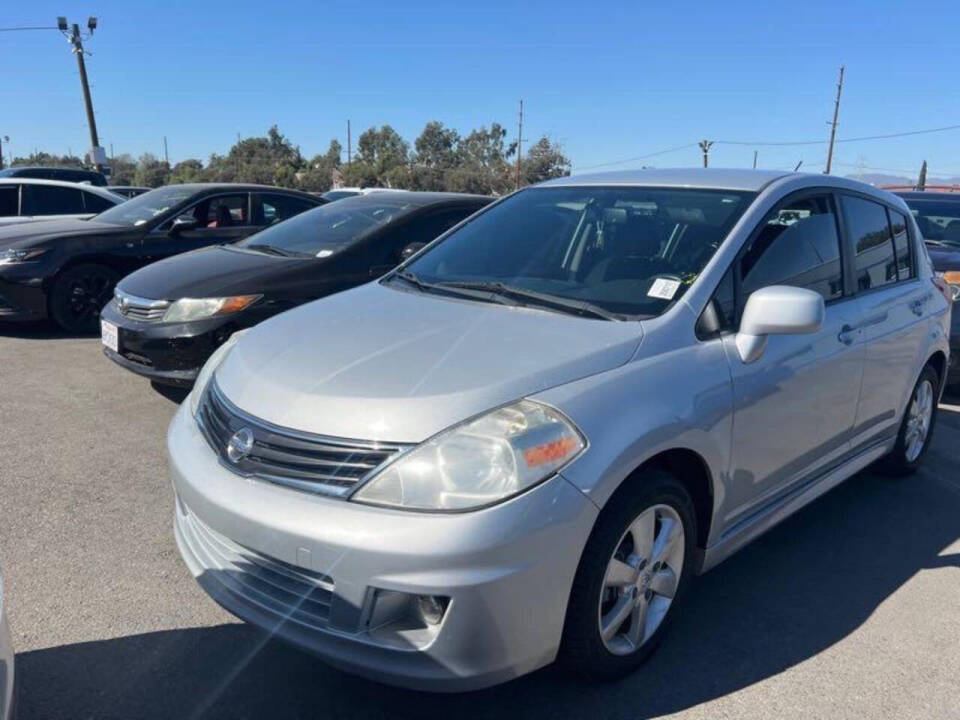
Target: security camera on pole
x,y
97,156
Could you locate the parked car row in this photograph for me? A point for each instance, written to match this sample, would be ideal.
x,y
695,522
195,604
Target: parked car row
x,y
23,200
442,441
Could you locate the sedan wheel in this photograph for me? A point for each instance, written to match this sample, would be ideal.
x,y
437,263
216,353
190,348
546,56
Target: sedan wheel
x,y
919,417
79,295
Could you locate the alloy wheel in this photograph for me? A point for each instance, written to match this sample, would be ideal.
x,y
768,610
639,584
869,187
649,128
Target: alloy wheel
x,y
919,417
86,296
641,579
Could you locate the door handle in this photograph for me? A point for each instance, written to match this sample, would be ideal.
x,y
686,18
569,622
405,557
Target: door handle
x,y
846,334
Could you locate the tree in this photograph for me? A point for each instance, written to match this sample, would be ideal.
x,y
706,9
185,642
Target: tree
x,y
318,175
46,159
436,155
123,169
187,171
482,162
270,160
384,155
151,172
544,161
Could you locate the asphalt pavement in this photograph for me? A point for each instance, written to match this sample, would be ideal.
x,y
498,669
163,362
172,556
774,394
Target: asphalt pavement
x,y
850,609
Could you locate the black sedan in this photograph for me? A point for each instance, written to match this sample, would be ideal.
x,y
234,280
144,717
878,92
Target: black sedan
x,y
168,318
938,217
67,269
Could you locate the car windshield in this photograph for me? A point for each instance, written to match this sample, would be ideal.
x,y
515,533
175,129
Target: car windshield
x,y
323,231
937,219
629,251
147,206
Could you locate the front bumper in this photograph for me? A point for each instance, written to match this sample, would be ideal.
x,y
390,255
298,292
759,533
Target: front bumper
x,y
6,669
170,353
23,297
311,570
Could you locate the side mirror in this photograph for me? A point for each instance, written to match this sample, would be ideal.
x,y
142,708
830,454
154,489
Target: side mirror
x,y
411,250
777,310
183,223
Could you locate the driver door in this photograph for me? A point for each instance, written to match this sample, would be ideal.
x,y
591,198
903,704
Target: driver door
x,y
216,220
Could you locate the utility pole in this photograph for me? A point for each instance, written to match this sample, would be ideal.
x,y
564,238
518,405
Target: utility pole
x,y
349,148
4,139
922,180
76,41
754,159
833,125
705,146
519,143
166,153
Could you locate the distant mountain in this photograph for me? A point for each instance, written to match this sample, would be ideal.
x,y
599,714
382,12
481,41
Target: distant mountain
x,y
882,179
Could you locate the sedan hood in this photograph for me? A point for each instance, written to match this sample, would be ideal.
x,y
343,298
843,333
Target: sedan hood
x,y
208,272
378,363
33,233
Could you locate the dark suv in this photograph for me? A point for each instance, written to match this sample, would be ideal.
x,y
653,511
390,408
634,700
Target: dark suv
x,y
67,269
67,174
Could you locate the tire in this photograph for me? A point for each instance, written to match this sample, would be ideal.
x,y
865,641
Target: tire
x,y
79,294
907,453
583,649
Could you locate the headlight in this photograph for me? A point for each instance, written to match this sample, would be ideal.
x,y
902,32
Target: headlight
x,y
209,367
17,255
187,309
480,462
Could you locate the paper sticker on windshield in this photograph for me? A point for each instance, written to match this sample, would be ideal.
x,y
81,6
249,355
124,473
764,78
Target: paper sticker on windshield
x,y
663,288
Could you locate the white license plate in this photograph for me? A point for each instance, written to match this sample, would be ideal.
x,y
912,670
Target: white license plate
x,y
109,335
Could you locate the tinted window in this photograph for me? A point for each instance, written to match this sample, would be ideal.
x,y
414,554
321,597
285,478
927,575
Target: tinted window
x,y
222,211
937,219
386,249
276,208
874,263
901,242
798,244
329,228
95,203
9,200
627,250
51,200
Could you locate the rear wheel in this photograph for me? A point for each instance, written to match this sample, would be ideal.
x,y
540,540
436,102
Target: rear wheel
x,y
635,568
78,296
916,429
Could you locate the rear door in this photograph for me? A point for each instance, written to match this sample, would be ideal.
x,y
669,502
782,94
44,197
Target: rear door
x,y
892,321
9,203
51,201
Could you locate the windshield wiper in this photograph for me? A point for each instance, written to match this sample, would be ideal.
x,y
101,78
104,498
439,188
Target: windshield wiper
x,y
268,250
447,288
575,307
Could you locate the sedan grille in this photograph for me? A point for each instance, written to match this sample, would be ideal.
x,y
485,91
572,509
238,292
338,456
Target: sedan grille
x,y
315,463
142,309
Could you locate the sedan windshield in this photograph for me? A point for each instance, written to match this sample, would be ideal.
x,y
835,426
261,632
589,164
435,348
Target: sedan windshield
x,y
937,219
323,231
592,251
147,206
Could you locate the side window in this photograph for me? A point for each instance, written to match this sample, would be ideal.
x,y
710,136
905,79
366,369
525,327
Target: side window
x,y
277,208
798,244
94,203
874,261
386,250
222,211
52,200
9,200
901,243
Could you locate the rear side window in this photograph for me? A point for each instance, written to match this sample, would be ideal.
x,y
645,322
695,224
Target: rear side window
x,y
52,200
95,203
874,262
277,208
386,250
8,200
901,244
798,244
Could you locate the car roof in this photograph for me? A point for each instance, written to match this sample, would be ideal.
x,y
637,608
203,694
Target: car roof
x,y
412,198
95,189
706,178
248,187
927,195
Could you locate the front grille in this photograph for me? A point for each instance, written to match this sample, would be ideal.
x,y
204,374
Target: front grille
x,y
137,308
284,590
315,463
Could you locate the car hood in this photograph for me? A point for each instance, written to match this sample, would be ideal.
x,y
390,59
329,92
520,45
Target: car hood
x,y
209,272
33,233
378,363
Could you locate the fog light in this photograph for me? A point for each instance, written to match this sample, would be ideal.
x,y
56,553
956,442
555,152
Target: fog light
x,y
432,608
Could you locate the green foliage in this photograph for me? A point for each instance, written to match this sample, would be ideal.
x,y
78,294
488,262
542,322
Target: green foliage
x,y
441,159
46,159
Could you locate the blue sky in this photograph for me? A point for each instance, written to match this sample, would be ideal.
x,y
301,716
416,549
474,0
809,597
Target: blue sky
x,y
608,80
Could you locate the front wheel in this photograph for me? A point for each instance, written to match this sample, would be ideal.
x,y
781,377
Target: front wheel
x,y
916,429
635,568
78,296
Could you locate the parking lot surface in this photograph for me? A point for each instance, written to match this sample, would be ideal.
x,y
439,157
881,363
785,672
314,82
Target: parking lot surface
x,y
850,609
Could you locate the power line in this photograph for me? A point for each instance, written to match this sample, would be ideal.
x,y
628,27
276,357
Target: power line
x,y
39,27
639,157
841,140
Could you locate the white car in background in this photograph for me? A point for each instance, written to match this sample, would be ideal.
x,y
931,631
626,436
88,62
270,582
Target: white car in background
x,y
25,199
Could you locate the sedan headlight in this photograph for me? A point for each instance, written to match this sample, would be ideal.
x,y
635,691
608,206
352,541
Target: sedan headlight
x,y
209,367
18,255
478,463
187,309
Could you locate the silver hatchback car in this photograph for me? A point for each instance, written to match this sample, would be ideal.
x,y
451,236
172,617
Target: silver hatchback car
x,y
523,444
